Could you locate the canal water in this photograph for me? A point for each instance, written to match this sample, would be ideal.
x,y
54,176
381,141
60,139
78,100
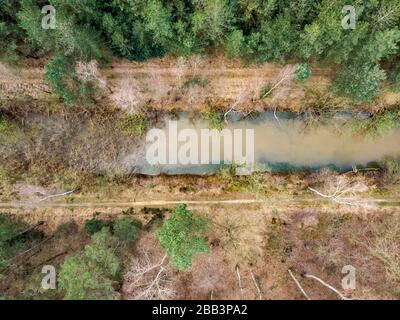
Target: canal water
x,y
282,142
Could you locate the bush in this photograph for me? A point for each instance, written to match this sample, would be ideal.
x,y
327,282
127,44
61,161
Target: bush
x,y
303,72
127,229
94,225
182,236
392,171
60,74
266,91
235,44
378,124
135,125
215,119
359,83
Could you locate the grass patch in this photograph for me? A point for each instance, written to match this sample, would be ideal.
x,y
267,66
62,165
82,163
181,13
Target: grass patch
x,y
195,81
8,131
134,125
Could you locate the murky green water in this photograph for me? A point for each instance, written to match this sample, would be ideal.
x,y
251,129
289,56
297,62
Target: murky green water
x,y
286,144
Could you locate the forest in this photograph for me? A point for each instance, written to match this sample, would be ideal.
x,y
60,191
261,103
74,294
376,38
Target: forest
x,y
255,31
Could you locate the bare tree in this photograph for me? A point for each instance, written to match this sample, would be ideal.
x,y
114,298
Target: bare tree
x,y
179,70
249,90
127,96
147,279
89,72
342,190
328,286
285,77
207,277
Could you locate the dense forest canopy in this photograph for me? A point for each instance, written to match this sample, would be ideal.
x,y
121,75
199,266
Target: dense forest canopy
x,y
253,30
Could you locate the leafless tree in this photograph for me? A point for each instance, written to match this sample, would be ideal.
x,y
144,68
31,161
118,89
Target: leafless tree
x,y
127,96
343,190
249,90
207,277
179,70
327,285
89,72
147,279
285,77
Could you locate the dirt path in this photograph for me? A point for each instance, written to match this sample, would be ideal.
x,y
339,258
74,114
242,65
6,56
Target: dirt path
x,y
163,203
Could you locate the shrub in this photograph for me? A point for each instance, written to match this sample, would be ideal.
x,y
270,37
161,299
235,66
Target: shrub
x,y
392,170
377,125
359,83
11,241
135,125
215,119
60,74
67,228
182,236
94,225
234,45
127,229
303,72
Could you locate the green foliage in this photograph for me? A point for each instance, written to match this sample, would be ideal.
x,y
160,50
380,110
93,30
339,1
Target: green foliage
x,y
235,44
256,30
93,273
253,183
392,171
274,40
94,225
212,20
215,119
359,83
60,74
10,242
127,229
182,236
303,72
376,125
8,131
135,125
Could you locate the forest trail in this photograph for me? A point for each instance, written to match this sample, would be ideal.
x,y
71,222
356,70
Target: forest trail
x,y
159,203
